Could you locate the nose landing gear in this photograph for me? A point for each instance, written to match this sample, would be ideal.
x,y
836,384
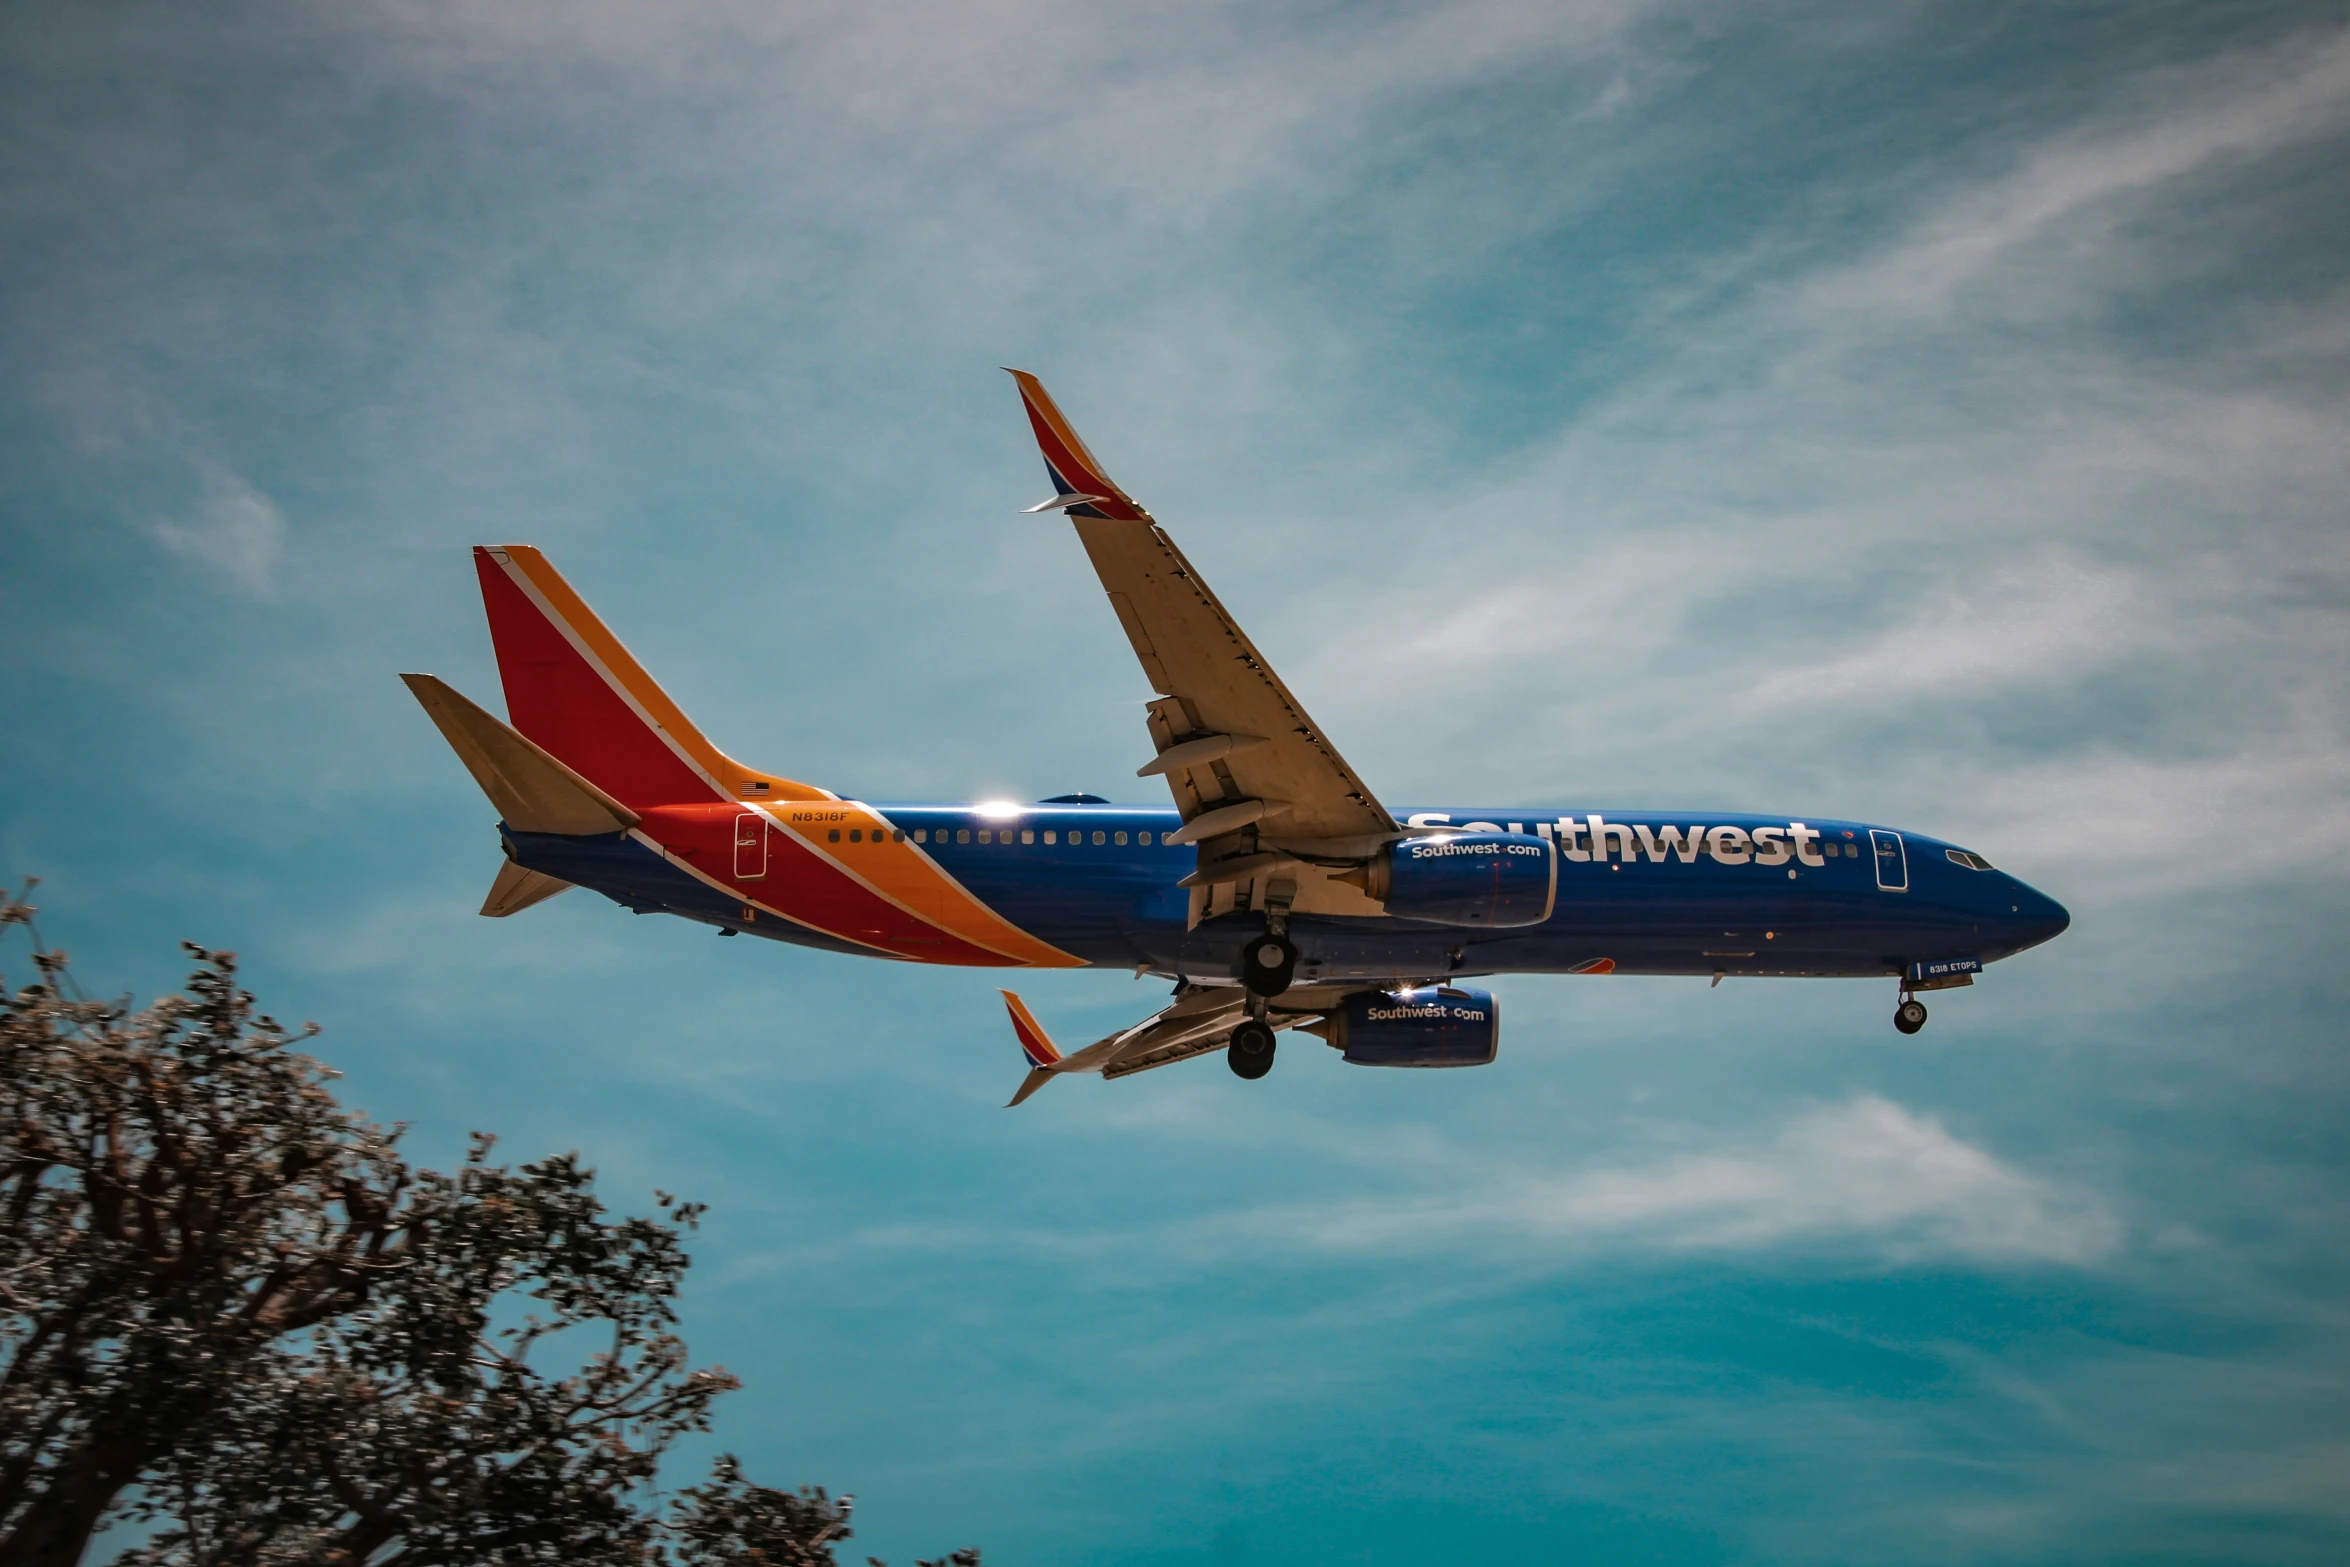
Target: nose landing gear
x,y
1910,1016
1250,1055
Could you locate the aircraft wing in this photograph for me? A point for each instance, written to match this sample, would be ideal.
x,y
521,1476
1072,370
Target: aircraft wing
x,y
1200,1019
1251,771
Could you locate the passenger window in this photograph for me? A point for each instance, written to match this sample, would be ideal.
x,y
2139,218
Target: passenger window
x,y
1050,836
833,836
1097,840
986,836
897,835
962,835
1027,836
1143,838
1121,838
920,836
856,835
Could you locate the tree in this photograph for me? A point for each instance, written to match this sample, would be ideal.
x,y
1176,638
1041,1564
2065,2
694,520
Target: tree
x,y
177,1191
222,1289
413,1428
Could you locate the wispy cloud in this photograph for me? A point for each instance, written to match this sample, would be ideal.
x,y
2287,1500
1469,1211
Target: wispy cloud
x,y
1850,509
230,527
1864,1183
1896,415
2175,123
1139,112
1867,1175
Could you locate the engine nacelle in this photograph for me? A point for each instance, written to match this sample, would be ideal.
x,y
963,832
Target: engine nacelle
x,y
1488,879
1437,1025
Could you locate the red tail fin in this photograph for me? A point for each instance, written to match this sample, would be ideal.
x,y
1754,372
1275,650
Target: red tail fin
x,y
572,688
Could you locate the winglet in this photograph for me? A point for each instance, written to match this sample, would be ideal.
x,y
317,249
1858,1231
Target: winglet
x,y
1079,485
1035,1044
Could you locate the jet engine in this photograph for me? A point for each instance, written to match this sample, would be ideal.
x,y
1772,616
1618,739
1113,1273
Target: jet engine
x,y
1436,1025
1491,879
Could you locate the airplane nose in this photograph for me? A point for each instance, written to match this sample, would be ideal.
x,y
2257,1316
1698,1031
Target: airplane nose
x,y
2036,917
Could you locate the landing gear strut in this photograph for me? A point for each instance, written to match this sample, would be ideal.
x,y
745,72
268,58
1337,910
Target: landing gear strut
x,y
1250,1054
1267,963
1910,1016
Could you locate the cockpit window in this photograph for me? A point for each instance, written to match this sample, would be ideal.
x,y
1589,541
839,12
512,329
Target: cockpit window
x,y
1973,862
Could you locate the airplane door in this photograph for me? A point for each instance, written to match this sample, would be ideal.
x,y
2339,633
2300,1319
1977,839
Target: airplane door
x,y
750,846
1892,862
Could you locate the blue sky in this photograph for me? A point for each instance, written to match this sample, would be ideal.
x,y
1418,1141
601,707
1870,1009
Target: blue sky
x,y
1928,413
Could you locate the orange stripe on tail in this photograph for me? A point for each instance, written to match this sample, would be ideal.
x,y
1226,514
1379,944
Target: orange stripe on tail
x,y
573,688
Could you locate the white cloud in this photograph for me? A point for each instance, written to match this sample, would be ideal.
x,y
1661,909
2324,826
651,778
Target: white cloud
x,y
2183,124
1866,1174
2133,826
1160,109
232,528
2014,623
1854,541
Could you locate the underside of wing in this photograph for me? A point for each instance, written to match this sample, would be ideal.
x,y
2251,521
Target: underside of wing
x,y
1199,1020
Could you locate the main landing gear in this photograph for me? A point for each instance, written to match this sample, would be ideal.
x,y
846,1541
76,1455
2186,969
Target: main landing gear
x,y
1250,1054
1910,1016
1266,966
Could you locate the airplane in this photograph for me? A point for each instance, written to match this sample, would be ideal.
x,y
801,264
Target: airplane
x,y
1275,890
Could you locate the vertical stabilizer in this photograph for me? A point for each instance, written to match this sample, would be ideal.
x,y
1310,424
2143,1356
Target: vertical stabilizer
x,y
574,689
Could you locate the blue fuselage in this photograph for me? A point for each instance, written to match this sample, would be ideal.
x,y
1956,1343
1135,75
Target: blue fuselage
x,y
1653,894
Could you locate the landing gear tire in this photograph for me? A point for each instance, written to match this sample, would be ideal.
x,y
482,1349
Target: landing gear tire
x,y
1266,965
1910,1016
1250,1054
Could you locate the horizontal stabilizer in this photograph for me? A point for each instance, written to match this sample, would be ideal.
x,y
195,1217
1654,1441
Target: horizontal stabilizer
x,y
1035,1080
517,889
531,789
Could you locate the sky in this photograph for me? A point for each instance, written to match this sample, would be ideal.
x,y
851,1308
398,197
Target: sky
x,y
1929,413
